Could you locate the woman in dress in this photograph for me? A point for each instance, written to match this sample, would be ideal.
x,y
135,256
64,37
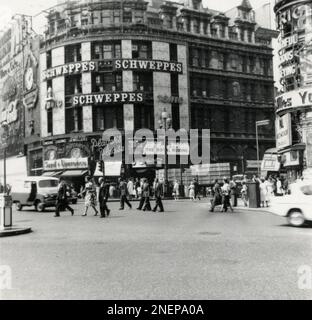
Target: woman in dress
x,y
192,191
263,193
90,196
176,191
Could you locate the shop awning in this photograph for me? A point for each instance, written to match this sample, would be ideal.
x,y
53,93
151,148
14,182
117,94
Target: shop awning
x,y
51,173
74,173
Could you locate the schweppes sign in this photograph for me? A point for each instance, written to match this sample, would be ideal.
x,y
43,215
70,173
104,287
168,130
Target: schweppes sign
x,y
107,98
148,65
67,69
119,64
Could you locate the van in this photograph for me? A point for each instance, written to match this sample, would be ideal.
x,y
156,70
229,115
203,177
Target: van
x,y
40,192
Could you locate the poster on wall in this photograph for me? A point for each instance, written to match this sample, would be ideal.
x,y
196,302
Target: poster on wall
x,y
283,131
309,149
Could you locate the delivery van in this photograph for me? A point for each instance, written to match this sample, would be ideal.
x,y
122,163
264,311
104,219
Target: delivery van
x,y
40,192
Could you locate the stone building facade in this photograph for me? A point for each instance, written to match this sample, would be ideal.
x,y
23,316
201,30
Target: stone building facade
x,y
119,64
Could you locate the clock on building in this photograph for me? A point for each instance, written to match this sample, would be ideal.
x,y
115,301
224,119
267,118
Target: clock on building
x,y
29,78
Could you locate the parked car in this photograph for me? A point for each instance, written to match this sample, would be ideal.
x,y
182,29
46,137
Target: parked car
x,y
40,192
296,206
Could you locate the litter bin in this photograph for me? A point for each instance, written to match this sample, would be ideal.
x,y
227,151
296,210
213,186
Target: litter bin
x,y
5,211
253,194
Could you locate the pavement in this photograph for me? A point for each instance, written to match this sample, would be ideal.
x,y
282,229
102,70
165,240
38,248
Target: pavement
x,y
185,253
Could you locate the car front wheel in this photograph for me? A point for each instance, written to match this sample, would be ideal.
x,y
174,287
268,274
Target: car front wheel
x,y
39,207
18,206
296,218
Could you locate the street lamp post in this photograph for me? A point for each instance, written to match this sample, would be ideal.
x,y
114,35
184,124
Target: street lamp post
x,y
259,124
5,128
165,122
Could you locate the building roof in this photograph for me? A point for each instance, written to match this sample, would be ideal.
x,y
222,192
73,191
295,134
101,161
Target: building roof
x,y
246,5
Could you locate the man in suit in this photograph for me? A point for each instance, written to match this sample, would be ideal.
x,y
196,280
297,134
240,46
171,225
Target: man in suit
x,y
144,201
103,197
61,200
158,195
123,194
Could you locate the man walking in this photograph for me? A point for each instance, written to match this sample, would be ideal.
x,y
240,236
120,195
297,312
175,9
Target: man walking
x,y
197,191
123,194
158,194
103,197
61,200
217,198
144,202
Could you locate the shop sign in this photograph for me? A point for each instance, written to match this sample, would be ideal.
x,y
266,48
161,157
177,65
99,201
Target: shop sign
x,y
298,16
108,98
270,163
30,99
148,65
288,41
10,114
289,70
293,100
309,149
63,164
171,99
252,164
68,69
173,148
283,131
291,158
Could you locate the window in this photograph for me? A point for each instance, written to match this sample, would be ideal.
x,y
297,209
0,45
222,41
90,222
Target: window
x,y
242,34
143,81
139,16
73,84
249,35
222,31
127,15
116,16
141,50
107,117
106,50
73,118
251,64
173,49
49,59
50,121
106,17
168,22
195,57
48,183
196,25
73,53
106,82
174,79
200,117
175,111
143,116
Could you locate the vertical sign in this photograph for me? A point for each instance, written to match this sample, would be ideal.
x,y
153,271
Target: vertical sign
x,y
283,131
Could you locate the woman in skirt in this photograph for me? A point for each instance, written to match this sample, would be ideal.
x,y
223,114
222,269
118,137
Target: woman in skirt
x,y
90,196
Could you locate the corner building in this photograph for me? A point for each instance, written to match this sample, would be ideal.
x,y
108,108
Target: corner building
x,y
119,64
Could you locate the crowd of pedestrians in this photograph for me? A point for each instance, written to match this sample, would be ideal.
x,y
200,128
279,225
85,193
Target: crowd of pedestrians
x,y
224,193
94,194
